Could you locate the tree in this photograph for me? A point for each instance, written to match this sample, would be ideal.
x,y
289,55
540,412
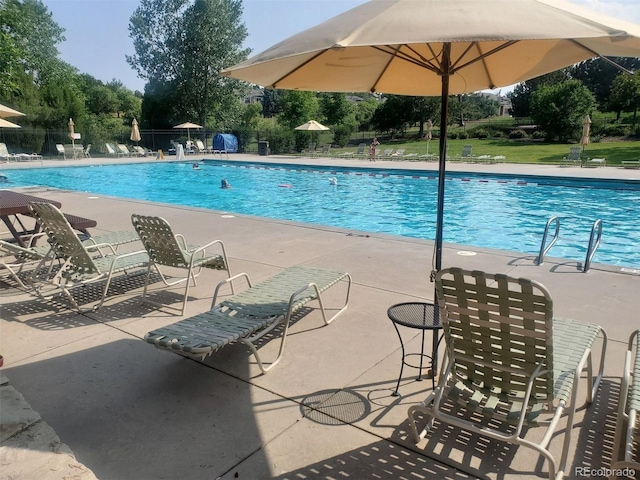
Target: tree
x,y
521,95
625,94
423,109
334,107
28,45
598,75
560,109
180,47
270,102
297,107
364,111
393,115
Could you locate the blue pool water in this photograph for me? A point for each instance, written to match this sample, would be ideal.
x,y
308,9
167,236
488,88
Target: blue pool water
x,y
501,212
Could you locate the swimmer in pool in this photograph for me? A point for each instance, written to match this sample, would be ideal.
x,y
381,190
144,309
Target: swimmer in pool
x,y
225,184
333,180
196,166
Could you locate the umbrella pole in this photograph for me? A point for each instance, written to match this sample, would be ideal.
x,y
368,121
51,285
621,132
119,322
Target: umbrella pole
x,y
443,152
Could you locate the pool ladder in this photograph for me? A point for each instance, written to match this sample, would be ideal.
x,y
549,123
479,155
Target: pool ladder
x,y
594,241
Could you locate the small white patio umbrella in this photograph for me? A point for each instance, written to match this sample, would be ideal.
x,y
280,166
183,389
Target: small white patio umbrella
x,y
586,130
312,126
188,126
135,132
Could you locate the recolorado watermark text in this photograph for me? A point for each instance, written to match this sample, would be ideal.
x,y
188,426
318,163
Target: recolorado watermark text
x,y
604,472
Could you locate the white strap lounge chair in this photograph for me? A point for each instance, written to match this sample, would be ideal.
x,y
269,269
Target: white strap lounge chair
x,y
628,424
61,151
15,258
508,361
574,157
250,315
80,264
171,250
630,164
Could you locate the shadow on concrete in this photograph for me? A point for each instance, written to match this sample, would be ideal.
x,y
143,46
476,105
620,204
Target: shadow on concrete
x,y
171,418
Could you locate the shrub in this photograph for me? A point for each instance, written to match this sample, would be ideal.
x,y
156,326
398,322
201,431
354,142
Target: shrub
x,y
341,135
481,133
463,135
614,130
280,139
517,134
453,135
538,135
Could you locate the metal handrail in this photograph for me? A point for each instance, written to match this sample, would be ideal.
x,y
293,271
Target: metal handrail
x,y
543,250
591,251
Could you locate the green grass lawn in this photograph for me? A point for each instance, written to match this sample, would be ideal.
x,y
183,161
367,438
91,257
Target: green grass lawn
x,y
519,151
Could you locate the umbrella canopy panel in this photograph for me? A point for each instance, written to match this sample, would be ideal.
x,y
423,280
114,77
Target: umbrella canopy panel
x,y
6,124
438,48
396,46
9,112
188,126
312,125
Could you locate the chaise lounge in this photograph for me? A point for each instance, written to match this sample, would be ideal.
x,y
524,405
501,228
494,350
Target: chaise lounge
x,y
628,423
250,315
631,164
82,265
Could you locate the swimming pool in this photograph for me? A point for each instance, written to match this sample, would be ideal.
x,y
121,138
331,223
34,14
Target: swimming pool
x,y
492,211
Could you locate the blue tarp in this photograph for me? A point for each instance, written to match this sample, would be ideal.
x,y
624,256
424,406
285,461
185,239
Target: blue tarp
x,y
225,141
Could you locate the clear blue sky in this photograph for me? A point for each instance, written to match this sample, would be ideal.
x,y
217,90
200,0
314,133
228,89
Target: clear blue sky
x,y
97,35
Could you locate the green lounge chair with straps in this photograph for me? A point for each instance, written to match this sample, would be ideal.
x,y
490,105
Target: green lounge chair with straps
x,y
508,360
628,422
250,315
167,249
80,264
15,258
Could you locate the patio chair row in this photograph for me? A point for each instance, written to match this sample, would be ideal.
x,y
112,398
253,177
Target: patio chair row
x,y
121,150
67,263
16,157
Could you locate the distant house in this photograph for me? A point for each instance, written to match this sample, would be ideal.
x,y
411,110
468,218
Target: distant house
x,y
254,96
504,110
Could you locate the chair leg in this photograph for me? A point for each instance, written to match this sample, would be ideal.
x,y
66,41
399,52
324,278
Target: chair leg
x,y
342,309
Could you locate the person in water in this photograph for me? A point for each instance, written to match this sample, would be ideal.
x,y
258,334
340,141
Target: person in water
x,y
196,166
333,180
225,184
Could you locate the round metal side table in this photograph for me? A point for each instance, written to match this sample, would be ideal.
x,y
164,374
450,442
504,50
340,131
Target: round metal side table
x,y
422,316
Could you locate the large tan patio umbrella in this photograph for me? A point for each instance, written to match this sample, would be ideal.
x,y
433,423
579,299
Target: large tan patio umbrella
x,y
188,126
135,132
6,112
438,48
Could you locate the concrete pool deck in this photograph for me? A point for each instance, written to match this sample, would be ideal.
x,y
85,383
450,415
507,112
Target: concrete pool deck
x,y
129,411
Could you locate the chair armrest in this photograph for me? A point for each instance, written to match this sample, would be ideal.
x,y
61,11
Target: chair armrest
x,y
224,282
